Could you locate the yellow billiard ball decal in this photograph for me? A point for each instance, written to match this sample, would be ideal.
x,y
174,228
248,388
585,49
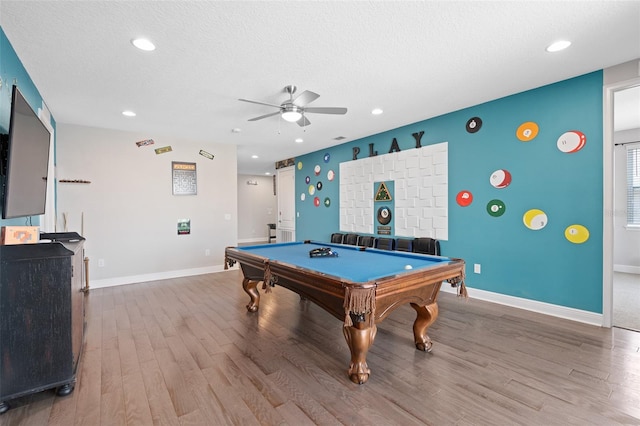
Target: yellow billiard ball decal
x,y
571,142
501,178
312,189
535,219
527,131
576,234
331,175
299,165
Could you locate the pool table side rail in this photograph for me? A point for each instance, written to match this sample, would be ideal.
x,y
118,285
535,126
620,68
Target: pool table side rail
x,y
330,292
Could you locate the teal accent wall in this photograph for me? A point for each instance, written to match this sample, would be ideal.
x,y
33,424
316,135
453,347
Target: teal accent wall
x,y
540,265
13,72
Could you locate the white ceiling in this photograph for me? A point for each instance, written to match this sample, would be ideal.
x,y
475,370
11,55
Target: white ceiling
x,y
414,59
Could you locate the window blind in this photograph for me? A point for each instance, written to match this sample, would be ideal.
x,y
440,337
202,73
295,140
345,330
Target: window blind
x,y
633,184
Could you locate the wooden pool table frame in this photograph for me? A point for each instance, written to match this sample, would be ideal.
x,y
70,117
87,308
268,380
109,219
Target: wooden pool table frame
x,y
419,288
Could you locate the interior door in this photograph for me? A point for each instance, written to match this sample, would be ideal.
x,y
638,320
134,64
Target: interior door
x,y
286,204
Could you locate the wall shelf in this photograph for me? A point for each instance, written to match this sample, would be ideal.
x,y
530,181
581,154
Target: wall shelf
x,y
74,181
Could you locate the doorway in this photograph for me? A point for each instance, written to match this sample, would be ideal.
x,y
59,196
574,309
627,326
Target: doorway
x,y
623,269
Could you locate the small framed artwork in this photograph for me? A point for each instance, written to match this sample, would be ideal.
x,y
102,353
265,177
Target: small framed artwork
x,y
185,179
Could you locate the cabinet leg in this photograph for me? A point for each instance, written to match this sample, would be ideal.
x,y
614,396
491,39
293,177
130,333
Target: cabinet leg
x,y
66,389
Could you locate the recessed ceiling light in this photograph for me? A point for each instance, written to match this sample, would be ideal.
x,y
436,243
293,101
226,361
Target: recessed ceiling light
x,y
558,46
129,113
236,130
376,111
267,173
299,140
143,44
254,156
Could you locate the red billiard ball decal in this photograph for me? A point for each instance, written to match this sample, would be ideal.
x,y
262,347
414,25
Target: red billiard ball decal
x,y
571,142
464,198
317,169
501,178
316,201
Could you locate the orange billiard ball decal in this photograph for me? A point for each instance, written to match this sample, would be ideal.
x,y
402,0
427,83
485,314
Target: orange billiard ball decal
x,y
527,131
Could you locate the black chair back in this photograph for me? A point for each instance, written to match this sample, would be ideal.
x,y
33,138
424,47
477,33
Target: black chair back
x,y
385,243
366,241
351,239
337,238
404,244
426,245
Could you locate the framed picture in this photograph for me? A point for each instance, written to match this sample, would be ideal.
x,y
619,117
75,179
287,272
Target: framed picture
x,y
185,180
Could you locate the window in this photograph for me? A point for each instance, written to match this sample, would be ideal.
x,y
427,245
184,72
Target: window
x,y
633,184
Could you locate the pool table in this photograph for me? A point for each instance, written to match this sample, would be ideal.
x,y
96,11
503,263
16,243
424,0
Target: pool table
x,y
360,286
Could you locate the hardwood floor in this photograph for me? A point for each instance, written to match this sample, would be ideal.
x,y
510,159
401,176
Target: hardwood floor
x,y
186,352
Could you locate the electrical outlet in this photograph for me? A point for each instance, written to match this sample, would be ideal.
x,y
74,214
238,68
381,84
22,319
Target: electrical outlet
x,y
100,263
476,268
207,252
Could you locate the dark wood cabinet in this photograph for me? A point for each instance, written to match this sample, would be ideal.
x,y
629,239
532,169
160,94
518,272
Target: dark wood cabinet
x,y
41,316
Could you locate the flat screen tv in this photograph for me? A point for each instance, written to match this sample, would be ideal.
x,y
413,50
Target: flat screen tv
x,y
27,161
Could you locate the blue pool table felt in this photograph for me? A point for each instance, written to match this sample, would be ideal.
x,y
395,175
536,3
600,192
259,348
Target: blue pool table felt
x,y
351,264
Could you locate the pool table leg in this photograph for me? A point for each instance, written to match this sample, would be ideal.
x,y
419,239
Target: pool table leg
x,y
359,338
250,287
426,316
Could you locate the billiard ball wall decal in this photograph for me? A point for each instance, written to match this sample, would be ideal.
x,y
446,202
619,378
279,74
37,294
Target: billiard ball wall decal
x,y
496,208
313,188
464,198
570,142
501,178
576,234
534,219
527,131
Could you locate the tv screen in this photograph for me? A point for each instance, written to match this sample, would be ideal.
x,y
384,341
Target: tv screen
x,y
27,161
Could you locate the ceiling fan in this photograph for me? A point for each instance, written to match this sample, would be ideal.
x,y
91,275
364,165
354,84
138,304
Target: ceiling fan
x,y
294,110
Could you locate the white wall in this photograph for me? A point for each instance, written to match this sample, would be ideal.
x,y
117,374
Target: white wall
x,y
128,214
420,194
257,206
626,250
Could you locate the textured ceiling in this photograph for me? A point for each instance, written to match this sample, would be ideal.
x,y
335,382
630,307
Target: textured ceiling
x,y
415,60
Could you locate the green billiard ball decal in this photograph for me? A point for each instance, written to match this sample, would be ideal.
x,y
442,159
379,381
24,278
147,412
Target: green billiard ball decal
x,y
496,208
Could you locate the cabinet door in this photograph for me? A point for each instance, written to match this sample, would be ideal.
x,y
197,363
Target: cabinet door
x,y
35,324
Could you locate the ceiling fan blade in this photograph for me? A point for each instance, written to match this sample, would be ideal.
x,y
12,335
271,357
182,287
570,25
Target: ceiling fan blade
x,y
303,121
264,116
260,103
305,98
326,110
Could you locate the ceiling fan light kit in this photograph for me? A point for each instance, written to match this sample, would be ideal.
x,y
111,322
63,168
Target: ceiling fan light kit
x,y
294,110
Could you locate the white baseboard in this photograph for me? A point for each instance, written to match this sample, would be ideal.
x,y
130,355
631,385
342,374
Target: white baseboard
x,y
253,240
628,269
133,279
532,305
516,302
